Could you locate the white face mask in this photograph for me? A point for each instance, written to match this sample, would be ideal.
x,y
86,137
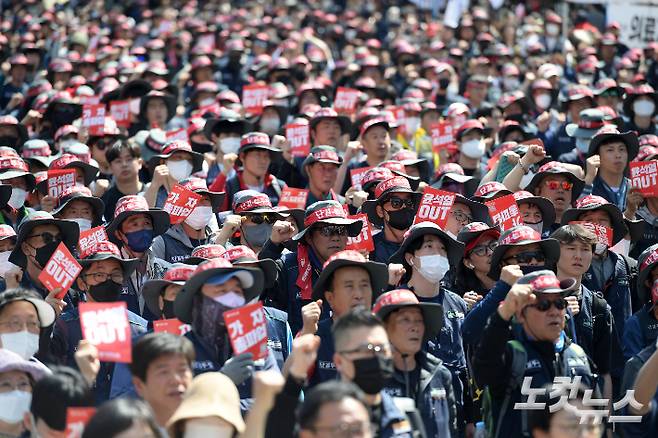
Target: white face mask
x,y
510,83
13,405
644,108
83,224
24,343
433,267
270,125
5,264
525,179
543,101
229,145
179,170
582,144
230,299
199,217
473,148
194,429
586,79
411,124
17,198
600,248
622,247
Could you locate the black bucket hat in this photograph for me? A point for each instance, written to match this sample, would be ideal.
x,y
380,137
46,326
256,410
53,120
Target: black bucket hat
x,y
544,204
610,132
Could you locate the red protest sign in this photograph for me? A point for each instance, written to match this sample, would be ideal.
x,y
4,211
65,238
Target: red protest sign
x,y
458,120
180,203
299,136
505,212
442,136
643,177
93,118
253,97
106,326
434,206
173,326
356,176
293,198
76,420
345,100
60,270
247,330
91,237
120,112
363,241
177,134
603,234
60,180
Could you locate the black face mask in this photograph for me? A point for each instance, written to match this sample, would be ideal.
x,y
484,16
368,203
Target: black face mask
x,y
168,309
106,291
44,253
443,83
373,373
530,269
401,219
8,140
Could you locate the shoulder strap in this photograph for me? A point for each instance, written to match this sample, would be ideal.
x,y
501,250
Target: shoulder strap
x,y
519,359
276,186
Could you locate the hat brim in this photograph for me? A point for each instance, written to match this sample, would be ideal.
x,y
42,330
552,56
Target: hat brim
x,y
628,138
545,206
378,276
97,205
369,207
35,369
89,171
128,266
216,198
345,123
630,98
239,126
456,177
578,184
353,226
29,177
185,298
170,102
159,217
70,232
550,248
479,211
432,316
268,266
151,291
573,130
454,248
469,236
197,160
566,288
619,229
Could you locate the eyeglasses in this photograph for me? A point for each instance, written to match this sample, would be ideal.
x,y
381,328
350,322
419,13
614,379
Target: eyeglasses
x,y
47,237
482,250
398,203
554,185
16,325
374,349
100,277
545,304
345,429
528,256
461,217
333,230
262,218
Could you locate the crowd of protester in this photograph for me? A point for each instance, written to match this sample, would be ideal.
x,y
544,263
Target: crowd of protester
x,y
432,332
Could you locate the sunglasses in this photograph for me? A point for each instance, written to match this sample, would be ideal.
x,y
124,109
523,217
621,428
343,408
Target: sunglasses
x,y
333,230
47,237
398,203
260,218
545,304
482,250
554,185
528,256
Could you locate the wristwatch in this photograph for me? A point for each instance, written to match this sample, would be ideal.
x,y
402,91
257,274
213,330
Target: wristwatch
x,y
525,171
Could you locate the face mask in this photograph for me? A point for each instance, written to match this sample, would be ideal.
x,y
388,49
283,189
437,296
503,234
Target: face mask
x,y
401,219
139,241
411,124
168,309
194,429
13,405
44,253
24,343
199,217
201,148
622,247
433,267
600,248
179,170
371,374
531,269
644,108
230,299
525,179
270,125
537,227
229,145
473,148
510,83
8,140
552,29
17,198
582,144
443,83
257,235
83,224
105,292
543,101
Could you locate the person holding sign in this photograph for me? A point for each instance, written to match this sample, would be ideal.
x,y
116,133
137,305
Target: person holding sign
x,y
133,228
78,205
216,287
85,173
321,169
177,243
347,281
393,209
104,273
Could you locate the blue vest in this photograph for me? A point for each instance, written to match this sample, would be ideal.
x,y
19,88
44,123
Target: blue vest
x,y
325,369
279,337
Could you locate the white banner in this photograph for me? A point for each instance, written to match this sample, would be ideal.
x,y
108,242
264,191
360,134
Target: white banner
x,y
639,23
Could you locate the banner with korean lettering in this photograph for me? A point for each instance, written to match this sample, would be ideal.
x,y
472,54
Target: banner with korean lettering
x,y
180,203
253,97
356,176
363,241
293,198
435,205
93,118
644,177
60,180
173,326
106,326
91,237
247,330
76,420
346,100
442,136
120,112
603,234
638,22
505,212
299,136
60,271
